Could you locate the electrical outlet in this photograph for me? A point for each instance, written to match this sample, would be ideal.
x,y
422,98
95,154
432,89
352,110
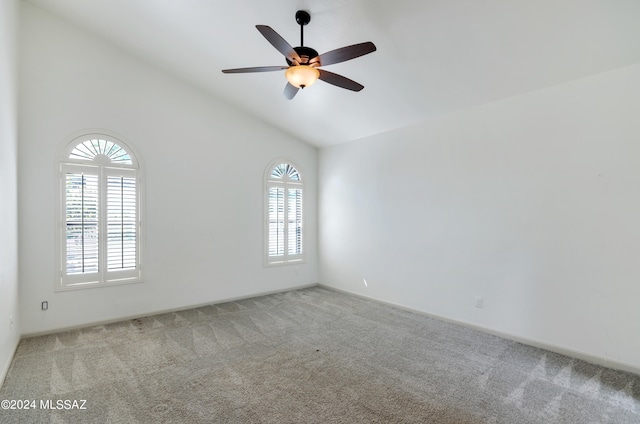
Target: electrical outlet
x,y
479,302
45,305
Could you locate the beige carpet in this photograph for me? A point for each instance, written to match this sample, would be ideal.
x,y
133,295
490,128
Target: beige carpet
x,y
306,356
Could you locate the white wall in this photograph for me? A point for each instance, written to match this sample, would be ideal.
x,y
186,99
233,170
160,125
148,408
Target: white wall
x,y
9,334
204,164
532,203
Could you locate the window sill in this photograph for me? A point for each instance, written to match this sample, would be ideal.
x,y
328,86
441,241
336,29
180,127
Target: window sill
x,y
283,263
91,285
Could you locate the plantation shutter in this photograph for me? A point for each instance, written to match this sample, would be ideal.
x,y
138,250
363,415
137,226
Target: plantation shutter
x,y
82,230
122,222
99,214
100,229
284,223
276,221
294,221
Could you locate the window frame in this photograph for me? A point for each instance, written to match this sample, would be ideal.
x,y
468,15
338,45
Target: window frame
x,y
102,167
286,184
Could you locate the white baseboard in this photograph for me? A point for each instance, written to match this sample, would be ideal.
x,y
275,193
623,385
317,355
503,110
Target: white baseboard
x,y
162,311
513,337
5,368
592,359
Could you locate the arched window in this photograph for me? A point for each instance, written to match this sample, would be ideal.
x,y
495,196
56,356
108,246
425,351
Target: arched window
x,y
99,213
284,210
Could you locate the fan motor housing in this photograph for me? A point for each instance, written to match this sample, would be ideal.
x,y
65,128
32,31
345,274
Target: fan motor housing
x,y
308,55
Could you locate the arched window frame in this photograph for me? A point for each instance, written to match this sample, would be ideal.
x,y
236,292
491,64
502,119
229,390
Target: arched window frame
x,y
284,244
112,174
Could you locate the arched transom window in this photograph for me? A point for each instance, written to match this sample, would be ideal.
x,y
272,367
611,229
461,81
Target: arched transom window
x,y
284,213
101,150
99,213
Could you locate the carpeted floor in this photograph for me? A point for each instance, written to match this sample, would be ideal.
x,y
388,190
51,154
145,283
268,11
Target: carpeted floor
x,y
306,356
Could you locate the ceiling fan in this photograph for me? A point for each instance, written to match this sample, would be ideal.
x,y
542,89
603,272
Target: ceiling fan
x,y
304,62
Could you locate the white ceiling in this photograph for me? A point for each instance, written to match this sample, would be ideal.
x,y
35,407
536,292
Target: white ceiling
x,y
434,56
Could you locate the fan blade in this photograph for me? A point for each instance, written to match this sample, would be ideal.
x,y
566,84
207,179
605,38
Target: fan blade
x,y
339,81
278,42
290,91
254,69
346,53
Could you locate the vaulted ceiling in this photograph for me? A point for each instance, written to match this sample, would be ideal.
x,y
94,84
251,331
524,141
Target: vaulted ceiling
x,y
434,56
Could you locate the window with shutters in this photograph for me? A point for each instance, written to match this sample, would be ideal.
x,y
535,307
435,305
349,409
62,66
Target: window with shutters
x,y
99,213
284,214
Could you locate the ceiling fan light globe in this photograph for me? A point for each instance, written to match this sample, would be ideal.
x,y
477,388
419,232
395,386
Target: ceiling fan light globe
x,y
302,76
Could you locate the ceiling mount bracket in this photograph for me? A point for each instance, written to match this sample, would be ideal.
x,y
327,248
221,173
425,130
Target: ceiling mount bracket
x,y
302,17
